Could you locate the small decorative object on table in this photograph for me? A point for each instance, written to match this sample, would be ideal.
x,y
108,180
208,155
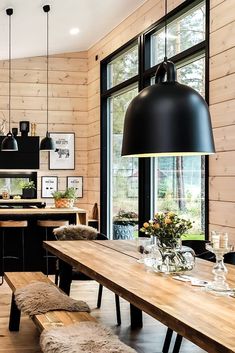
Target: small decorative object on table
x,y
168,229
64,199
144,248
219,246
28,189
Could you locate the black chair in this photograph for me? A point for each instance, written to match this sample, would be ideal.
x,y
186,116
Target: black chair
x,y
199,246
76,275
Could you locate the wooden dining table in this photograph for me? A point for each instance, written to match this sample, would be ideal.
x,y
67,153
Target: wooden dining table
x,y
203,317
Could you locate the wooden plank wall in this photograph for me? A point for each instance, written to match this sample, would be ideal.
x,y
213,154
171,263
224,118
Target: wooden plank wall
x,y
222,106
67,104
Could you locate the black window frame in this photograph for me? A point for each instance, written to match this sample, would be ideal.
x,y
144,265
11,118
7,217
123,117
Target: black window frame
x,y
142,79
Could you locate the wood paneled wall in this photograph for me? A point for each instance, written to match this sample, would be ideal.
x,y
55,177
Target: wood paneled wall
x,y
222,106
67,104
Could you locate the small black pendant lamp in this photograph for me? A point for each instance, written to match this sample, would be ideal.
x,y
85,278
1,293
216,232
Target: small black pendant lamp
x,y
9,143
47,143
167,118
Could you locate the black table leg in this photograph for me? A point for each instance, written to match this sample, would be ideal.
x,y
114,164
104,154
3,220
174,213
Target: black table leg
x,y
65,271
14,321
136,317
177,345
167,341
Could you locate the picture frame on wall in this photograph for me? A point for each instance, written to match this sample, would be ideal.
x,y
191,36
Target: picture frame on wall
x,y
64,155
49,185
76,182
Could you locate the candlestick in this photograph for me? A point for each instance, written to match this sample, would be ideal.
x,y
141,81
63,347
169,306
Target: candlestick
x,y
219,283
215,240
223,240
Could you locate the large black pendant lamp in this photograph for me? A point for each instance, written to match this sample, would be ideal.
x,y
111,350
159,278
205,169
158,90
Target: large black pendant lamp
x,y
47,143
9,143
167,118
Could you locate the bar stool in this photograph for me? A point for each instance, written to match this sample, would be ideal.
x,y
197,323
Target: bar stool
x,y
51,224
12,224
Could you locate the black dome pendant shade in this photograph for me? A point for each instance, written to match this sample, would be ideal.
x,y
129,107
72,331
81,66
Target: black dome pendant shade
x,y
47,143
167,119
9,143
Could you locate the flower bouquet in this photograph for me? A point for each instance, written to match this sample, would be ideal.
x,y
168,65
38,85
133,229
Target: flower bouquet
x,y
168,229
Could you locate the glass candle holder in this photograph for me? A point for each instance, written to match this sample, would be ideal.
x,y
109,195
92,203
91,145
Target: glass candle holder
x,y
143,247
219,246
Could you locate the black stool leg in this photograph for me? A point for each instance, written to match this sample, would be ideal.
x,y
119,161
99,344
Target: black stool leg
x,y
47,262
177,344
22,234
118,311
57,272
14,321
3,255
167,341
99,296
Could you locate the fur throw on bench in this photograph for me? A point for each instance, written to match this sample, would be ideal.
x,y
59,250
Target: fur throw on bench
x,y
40,297
79,232
83,337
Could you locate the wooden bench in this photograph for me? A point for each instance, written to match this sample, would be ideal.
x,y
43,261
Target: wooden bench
x,y
51,319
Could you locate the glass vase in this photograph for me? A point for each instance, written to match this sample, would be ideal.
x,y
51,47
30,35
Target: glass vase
x,y
174,257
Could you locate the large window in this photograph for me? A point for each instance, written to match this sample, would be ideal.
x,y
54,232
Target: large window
x,y
123,67
132,190
180,181
123,172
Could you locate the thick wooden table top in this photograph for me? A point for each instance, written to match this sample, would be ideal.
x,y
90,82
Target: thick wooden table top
x,y
202,317
127,247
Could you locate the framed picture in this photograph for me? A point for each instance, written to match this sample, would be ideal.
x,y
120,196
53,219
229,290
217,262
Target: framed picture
x,y
49,185
76,183
64,156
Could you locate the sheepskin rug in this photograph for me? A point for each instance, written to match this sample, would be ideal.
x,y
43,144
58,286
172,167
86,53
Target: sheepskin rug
x,y
39,298
79,232
83,337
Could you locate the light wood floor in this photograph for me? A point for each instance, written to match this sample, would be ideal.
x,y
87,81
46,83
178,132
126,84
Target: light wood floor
x,y
146,340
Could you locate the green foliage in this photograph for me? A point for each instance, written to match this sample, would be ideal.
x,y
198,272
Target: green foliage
x,y
27,185
168,204
69,193
162,188
167,227
125,218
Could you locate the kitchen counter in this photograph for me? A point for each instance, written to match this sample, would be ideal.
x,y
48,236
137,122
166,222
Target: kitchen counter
x,y
81,214
34,234
13,207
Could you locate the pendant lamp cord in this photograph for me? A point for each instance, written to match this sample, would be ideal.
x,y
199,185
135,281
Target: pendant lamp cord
x,y
9,73
47,66
165,58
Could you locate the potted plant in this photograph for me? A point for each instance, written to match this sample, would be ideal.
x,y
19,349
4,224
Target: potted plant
x,y
28,189
123,224
64,199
